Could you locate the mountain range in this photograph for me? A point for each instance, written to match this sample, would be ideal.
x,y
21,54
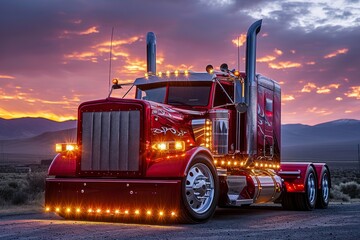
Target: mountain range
x,y
30,127
29,140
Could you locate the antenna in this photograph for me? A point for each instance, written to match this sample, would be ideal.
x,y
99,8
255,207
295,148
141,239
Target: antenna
x,y
238,45
112,34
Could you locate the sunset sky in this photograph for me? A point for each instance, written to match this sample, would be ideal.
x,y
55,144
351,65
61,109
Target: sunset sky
x,y
55,54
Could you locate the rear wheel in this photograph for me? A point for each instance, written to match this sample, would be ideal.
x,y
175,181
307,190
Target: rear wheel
x,y
306,201
200,190
324,193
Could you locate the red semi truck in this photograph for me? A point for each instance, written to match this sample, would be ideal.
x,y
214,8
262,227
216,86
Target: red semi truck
x,y
187,143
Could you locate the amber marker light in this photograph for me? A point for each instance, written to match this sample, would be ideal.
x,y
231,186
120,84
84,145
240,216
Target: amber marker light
x,y
98,210
117,211
78,210
115,81
108,211
148,212
47,209
167,73
57,209
161,213
68,210
173,214
160,74
90,210
126,212
137,212
186,72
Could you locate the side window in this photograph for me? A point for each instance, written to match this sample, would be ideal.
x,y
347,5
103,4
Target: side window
x,y
220,97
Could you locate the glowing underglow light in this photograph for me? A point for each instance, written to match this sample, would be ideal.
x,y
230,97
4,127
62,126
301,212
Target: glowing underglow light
x,y
173,214
107,211
57,210
161,213
68,210
137,212
148,212
78,210
126,212
98,210
117,211
47,209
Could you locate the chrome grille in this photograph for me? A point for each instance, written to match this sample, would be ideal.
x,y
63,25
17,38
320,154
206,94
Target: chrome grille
x,y
110,141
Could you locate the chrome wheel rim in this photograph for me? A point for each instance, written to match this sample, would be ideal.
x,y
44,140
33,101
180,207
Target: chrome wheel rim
x,y
325,187
199,188
311,189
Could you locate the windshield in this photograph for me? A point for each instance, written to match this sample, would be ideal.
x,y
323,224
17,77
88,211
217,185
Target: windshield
x,y
189,95
194,94
156,94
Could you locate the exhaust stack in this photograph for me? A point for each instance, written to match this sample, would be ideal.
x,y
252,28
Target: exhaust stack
x,y
251,90
151,52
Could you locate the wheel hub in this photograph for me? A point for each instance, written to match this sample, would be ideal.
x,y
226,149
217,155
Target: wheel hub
x,y
199,188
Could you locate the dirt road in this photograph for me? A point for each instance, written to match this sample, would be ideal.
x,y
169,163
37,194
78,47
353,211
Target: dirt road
x,y
339,221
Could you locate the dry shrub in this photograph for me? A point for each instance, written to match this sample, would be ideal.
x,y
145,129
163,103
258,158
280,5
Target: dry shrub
x,y
351,188
336,194
20,189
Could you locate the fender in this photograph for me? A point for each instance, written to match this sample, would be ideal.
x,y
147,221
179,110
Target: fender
x,y
173,166
63,165
319,168
295,183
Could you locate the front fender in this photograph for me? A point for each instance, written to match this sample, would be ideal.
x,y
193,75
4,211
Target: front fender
x,y
63,165
173,166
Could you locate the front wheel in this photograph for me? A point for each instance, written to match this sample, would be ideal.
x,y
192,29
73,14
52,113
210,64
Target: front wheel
x,y
200,190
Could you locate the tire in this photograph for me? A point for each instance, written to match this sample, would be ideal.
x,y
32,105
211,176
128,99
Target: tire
x,y
288,201
307,201
324,191
200,191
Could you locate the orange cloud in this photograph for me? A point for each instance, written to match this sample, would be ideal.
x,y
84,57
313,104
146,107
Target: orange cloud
x,y
49,115
88,31
267,58
354,92
283,65
84,56
239,41
118,42
7,77
322,112
320,90
327,89
339,99
278,51
287,98
337,52
135,66
308,87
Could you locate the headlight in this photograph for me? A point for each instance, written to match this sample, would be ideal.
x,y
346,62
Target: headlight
x,y
65,147
169,146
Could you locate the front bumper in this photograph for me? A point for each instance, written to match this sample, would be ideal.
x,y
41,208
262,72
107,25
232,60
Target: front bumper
x,y
80,196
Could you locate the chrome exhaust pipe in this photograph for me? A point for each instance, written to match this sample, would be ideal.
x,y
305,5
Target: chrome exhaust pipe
x,y
251,90
151,52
